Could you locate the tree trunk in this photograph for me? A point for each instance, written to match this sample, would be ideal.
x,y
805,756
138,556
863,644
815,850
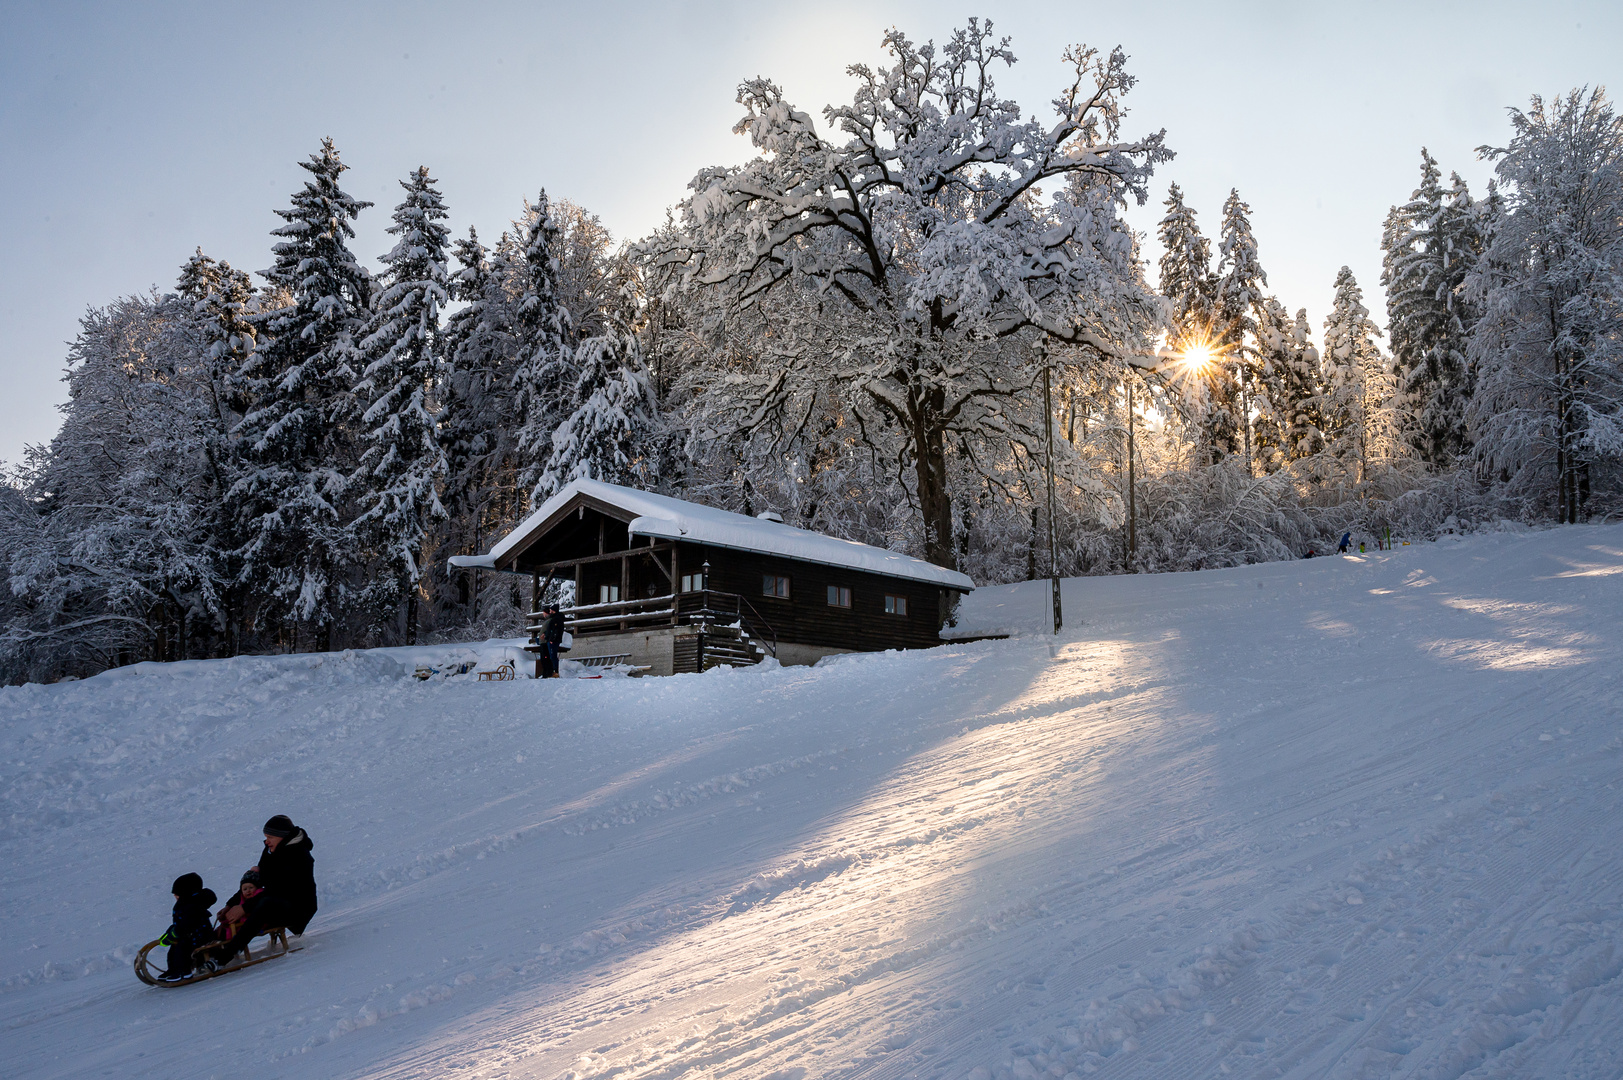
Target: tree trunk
x,y
411,616
1031,549
930,471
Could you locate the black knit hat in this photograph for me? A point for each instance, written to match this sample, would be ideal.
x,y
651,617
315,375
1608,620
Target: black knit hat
x,y
186,884
280,825
250,877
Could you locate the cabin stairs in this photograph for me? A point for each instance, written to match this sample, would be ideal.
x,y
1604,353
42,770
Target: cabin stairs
x,y
717,645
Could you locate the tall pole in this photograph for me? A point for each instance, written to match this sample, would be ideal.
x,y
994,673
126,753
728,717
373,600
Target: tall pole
x,y
1245,420
1132,494
1048,425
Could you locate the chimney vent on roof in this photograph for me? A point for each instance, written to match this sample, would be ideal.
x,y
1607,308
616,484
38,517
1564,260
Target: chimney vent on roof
x,y
770,515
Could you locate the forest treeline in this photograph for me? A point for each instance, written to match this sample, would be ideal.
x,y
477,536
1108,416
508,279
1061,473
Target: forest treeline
x,y
855,329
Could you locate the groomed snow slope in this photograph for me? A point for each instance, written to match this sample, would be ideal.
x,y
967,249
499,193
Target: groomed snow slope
x,y
1338,818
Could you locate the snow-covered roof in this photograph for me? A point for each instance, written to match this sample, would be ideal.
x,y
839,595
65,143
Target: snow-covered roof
x,y
665,518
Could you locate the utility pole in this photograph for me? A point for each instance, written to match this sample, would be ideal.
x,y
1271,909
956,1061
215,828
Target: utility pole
x,y
1048,425
1132,492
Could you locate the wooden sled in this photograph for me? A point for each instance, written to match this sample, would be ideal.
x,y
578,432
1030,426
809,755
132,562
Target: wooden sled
x,y
203,968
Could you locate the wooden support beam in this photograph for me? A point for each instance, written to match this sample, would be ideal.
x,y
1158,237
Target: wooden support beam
x,y
625,581
676,586
606,557
669,574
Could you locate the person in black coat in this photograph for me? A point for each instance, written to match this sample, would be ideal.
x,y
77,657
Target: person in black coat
x,y
287,874
189,926
552,636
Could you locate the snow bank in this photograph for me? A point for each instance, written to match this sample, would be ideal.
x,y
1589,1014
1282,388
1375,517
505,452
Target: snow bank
x,y
1334,818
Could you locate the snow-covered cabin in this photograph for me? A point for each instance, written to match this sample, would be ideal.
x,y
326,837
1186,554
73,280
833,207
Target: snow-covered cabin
x,y
676,586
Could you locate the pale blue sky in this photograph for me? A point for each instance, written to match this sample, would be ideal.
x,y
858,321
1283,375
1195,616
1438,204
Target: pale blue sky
x,y
135,133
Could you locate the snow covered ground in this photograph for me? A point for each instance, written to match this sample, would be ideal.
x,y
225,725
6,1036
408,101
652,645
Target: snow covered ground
x,y
1347,817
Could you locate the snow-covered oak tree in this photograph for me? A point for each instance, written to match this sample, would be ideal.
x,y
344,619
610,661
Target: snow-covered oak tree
x,y
893,275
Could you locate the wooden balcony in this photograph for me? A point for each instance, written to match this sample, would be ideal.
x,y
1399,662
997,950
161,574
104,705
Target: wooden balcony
x,y
713,611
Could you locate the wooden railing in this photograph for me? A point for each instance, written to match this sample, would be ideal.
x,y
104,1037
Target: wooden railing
x,y
703,608
711,608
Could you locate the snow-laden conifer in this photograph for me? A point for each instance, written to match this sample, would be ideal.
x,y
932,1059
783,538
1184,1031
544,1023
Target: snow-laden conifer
x,y
300,435
611,415
546,337
1431,243
1359,391
1288,372
1238,306
404,464
1548,409
1186,276
1188,281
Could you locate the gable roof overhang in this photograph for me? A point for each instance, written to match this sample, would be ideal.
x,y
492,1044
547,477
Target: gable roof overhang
x,y
661,517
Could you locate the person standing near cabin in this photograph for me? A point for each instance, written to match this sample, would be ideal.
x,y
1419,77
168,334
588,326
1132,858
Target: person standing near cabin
x,y
552,636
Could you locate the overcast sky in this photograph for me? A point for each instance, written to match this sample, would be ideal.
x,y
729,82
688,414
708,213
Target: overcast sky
x,y
133,134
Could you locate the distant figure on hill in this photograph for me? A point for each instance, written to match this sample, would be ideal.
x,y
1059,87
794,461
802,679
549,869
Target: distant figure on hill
x,y
1346,539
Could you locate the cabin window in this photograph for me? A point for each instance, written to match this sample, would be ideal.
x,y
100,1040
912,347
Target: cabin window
x,y
775,585
692,582
839,596
895,605
608,594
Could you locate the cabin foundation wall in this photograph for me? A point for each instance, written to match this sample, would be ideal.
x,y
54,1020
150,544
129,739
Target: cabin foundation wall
x,y
792,654
653,649
657,649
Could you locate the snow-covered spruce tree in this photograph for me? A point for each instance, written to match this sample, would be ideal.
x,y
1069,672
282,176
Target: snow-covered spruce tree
x,y
1359,389
404,464
1431,243
612,411
896,281
1287,426
546,336
480,425
1186,276
1189,283
1548,408
1238,308
300,437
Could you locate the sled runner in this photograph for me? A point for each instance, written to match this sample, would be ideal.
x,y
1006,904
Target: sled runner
x,y
205,968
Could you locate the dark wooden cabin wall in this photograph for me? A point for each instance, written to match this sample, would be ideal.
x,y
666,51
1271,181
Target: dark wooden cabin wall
x,y
807,618
804,618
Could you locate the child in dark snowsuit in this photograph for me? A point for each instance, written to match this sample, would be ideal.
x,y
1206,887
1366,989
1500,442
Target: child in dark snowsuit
x,y
191,926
